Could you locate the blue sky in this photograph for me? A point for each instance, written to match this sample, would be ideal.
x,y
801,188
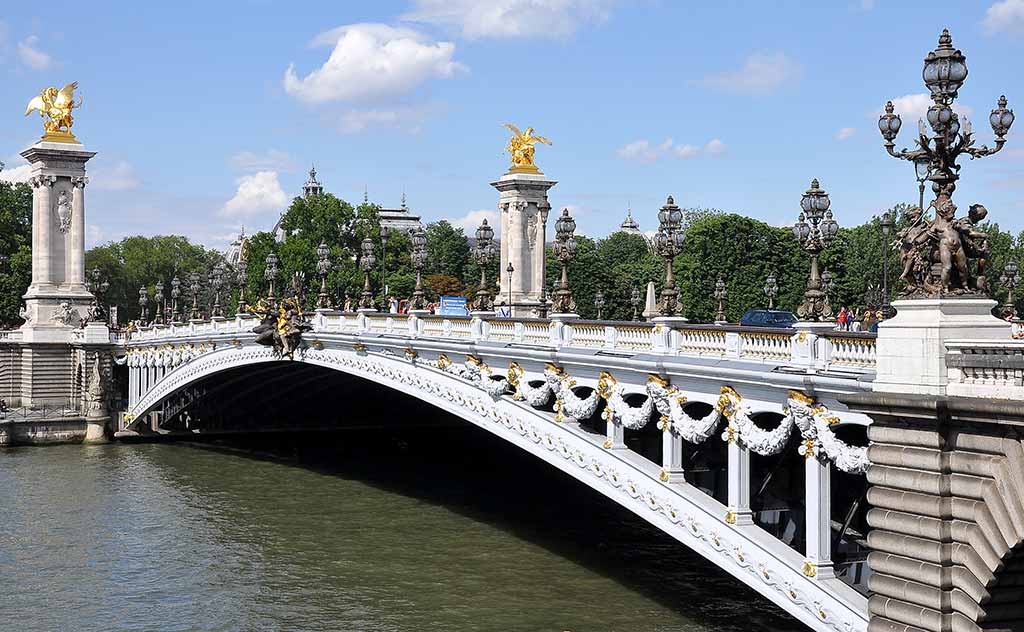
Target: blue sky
x,y
207,115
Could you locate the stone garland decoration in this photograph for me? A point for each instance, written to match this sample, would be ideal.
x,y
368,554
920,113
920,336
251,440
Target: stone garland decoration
x,y
813,423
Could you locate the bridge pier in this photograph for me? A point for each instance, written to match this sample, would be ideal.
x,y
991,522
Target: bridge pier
x,y
739,512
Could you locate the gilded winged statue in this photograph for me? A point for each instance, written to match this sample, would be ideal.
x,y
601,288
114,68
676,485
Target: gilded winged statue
x,y
55,108
520,146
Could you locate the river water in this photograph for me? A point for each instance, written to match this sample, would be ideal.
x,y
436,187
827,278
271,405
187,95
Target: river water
x,y
408,532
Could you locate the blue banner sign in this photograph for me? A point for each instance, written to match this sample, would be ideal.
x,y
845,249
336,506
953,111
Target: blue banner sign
x,y
452,306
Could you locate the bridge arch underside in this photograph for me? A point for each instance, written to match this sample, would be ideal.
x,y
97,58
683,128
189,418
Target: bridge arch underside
x,y
218,391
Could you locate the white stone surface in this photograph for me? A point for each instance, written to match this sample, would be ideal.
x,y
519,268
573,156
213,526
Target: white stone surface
x,y
523,203
911,347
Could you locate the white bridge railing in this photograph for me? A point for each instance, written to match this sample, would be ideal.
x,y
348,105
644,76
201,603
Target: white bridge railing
x,y
830,351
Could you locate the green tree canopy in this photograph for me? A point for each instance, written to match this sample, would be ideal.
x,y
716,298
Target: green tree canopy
x,y
15,249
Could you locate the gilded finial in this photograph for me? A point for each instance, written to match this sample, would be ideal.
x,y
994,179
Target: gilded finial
x,y
55,108
521,149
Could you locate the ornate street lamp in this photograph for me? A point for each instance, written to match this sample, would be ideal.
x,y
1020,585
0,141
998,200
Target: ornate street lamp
x,y
771,290
668,243
815,230
887,224
143,305
419,260
935,160
194,286
564,250
634,300
161,303
242,277
720,295
922,165
484,254
270,276
542,308
384,234
1009,279
98,286
509,270
216,283
175,295
366,262
599,302
827,283
323,268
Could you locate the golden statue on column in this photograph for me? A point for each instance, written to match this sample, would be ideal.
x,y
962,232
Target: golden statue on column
x,y
55,108
520,146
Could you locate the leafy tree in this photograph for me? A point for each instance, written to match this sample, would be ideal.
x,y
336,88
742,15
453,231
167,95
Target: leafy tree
x,y
15,249
448,250
442,285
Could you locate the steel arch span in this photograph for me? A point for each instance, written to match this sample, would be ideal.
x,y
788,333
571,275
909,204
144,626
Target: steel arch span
x,y
690,516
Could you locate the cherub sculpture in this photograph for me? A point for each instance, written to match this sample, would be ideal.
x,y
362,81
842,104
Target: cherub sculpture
x,y
281,326
55,108
520,146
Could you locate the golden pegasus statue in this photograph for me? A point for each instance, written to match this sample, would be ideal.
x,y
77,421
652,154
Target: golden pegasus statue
x,y
520,146
55,108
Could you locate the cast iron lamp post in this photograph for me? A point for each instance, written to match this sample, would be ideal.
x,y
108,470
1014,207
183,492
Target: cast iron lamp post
x,y
483,255
323,268
419,260
668,243
509,270
599,302
175,295
922,165
216,283
945,70
1010,279
720,294
887,224
564,250
242,277
384,234
634,300
366,261
270,276
815,230
194,280
771,290
143,305
98,286
161,303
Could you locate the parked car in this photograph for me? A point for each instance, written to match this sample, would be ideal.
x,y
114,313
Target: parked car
x,y
768,318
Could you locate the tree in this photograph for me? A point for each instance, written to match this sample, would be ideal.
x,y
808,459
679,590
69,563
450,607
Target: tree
x,y
15,248
448,250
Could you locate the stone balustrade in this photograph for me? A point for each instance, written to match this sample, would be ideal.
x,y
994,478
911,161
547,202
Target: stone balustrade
x,y
985,369
829,351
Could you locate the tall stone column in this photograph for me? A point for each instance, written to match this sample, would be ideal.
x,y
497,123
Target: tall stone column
x,y
57,298
523,200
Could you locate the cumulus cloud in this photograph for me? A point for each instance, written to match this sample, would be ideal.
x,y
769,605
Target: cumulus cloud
x,y
1006,16
405,118
762,73
31,56
372,62
14,175
511,18
912,107
257,193
472,220
272,160
644,150
845,132
120,177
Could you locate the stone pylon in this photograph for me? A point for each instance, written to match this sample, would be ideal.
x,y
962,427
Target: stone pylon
x,y
57,299
523,202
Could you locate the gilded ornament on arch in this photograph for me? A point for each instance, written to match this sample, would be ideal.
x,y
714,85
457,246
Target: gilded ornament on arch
x,y
663,477
475,361
605,384
55,107
730,517
657,379
810,569
607,445
443,362
806,400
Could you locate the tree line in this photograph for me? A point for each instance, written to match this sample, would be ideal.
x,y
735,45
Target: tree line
x,y
742,250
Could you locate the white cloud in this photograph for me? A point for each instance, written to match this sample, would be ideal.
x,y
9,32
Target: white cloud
x,y
715,147
1006,16
94,236
120,177
406,118
21,173
472,220
762,73
372,62
912,107
272,160
644,151
845,132
257,193
511,18
31,56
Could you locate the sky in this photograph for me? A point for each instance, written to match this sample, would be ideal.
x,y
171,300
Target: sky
x,y
206,116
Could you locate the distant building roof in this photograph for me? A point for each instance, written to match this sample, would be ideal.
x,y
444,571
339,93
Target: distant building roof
x,y
400,218
630,225
234,252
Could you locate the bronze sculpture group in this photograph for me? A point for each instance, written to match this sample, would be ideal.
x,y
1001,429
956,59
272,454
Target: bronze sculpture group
x,y
281,326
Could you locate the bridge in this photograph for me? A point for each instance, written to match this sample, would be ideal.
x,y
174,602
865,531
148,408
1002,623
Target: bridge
x,y
858,481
